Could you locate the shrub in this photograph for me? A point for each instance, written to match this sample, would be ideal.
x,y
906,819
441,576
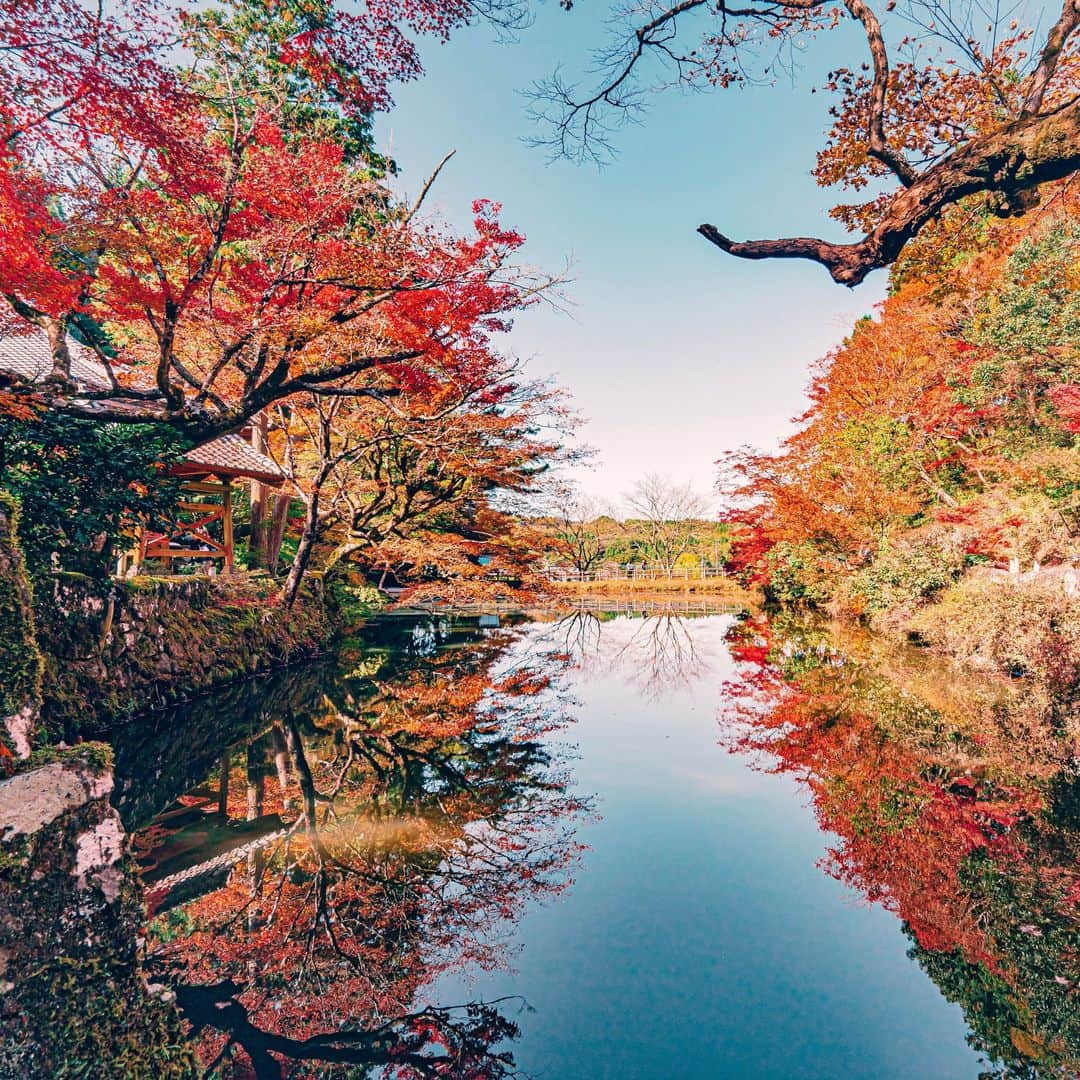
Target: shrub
x,y
1013,628
906,574
797,575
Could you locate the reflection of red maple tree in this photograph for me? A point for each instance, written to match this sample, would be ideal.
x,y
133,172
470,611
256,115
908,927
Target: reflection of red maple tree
x,y
930,825
423,812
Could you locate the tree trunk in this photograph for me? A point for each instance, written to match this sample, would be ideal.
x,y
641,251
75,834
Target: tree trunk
x,y
303,551
276,531
56,331
260,523
936,489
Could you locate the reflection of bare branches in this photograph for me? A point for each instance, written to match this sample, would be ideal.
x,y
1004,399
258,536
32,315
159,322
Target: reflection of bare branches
x,y
661,655
579,635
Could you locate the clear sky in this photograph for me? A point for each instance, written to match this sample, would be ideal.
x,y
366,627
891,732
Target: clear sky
x,y
673,351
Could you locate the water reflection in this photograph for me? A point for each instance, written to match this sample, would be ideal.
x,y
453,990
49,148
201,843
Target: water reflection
x,y
953,804
378,825
329,853
654,645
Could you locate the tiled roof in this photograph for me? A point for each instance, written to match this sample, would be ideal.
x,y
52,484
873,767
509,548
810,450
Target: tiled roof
x,y
27,356
233,455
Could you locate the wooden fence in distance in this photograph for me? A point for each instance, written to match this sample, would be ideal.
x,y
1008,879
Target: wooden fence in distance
x,y
636,573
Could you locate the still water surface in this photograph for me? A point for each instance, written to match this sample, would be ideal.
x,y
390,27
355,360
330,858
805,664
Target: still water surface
x,y
572,826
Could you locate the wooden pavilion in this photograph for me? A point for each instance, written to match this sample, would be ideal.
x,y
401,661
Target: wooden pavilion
x,y
210,473
204,525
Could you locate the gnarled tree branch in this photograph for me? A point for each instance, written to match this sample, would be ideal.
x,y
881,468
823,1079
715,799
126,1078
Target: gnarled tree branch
x,y
875,133
1056,40
1009,162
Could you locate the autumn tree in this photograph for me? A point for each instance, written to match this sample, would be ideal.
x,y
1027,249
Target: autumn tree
x,y
211,224
433,461
938,433
668,515
946,102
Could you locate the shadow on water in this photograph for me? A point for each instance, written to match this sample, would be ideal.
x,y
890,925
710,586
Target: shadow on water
x,y
322,846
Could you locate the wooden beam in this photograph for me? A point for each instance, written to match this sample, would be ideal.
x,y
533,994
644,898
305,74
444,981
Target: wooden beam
x,y
227,527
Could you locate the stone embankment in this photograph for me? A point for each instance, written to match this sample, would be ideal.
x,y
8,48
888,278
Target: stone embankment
x,y
72,993
156,641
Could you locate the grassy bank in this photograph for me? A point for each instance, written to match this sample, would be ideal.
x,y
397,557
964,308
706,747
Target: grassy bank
x,y
719,587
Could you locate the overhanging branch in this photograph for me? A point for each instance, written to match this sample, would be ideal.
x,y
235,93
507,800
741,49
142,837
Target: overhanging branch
x,y
1010,162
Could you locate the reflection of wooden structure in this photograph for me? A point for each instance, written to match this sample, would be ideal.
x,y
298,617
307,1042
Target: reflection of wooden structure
x,y
204,529
195,851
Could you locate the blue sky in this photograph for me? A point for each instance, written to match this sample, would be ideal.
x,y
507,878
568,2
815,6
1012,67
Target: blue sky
x,y
672,350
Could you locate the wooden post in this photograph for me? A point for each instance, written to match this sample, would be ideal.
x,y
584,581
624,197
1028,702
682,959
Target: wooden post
x,y
227,524
139,551
260,495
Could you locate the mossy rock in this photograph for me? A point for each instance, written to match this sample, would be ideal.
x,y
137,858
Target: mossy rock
x,y
75,1002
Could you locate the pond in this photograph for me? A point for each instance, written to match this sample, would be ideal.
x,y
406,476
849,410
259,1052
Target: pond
x,y
647,843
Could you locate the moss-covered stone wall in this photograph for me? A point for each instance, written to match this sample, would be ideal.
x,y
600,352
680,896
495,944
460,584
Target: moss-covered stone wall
x,y
20,660
157,641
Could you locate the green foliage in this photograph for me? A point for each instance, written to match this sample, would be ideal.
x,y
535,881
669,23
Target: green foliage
x,y
351,604
96,755
1036,309
889,809
245,39
83,487
1029,329
796,575
175,923
884,444
907,574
